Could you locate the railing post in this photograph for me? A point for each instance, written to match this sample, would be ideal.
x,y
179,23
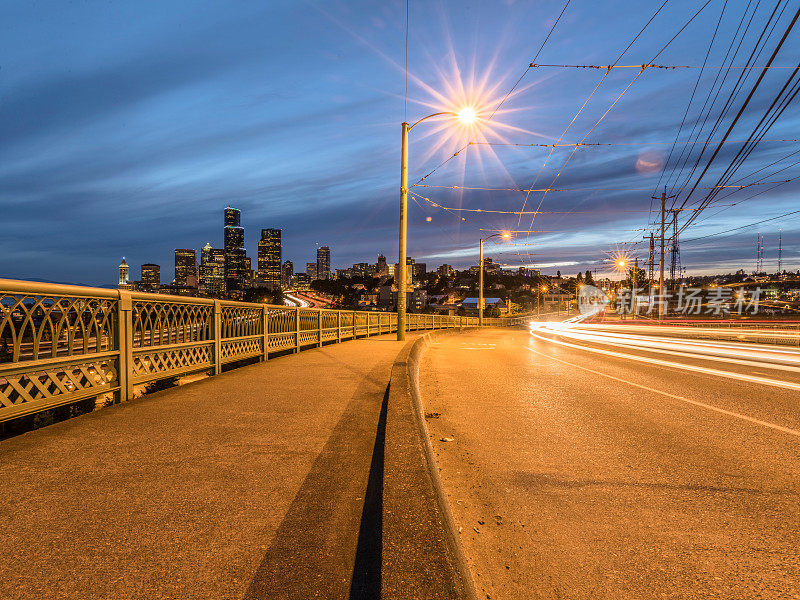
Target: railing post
x,y
367,324
319,328
125,346
217,337
354,325
297,330
339,325
265,320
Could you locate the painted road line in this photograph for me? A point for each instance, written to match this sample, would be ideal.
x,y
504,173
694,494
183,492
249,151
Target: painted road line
x,y
730,413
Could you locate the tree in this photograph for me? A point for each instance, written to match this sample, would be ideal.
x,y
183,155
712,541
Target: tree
x,y
558,274
589,279
579,277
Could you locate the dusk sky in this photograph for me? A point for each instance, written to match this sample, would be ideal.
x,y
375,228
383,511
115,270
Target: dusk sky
x,y
127,127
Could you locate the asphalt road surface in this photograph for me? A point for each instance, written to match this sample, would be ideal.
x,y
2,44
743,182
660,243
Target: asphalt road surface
x,y
600,467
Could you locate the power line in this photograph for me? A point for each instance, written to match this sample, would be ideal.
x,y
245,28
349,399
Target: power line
x,y
571,144
652,66
547,190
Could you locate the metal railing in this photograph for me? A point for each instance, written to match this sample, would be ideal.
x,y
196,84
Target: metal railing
x,y
61,344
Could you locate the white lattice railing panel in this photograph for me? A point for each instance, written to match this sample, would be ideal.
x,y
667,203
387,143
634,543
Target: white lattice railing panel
x,y
34,326
308,337
282,320
158,323
24,393
240,321
281,341
153,363
241,348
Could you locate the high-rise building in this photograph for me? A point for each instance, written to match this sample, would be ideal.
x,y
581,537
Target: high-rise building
x,y
236,269
287,274
323,262
311,271
233,217
212,272
151,277
186,267
269,258
124,282
419,270
382,269
445,271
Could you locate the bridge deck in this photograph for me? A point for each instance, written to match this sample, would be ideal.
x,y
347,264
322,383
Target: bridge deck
x,y
249,484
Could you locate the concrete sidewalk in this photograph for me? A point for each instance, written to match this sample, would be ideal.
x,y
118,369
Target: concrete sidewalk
x,y
250,484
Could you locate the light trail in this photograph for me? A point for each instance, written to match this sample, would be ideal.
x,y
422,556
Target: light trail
x,y
748,355
295,300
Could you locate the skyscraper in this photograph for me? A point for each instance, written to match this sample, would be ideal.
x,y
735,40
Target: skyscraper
x,y
123,274
269,258
186,267
287,274
151,277
311,271
235,255
323,262
212,272
382,269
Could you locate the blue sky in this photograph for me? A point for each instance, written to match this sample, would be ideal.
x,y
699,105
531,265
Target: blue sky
x,y
127,127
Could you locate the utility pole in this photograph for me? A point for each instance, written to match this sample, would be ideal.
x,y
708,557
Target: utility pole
x,y
480,286
661,265
633,285
400,277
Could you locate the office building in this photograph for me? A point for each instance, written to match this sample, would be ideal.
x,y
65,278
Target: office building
x,y
236,268
323,262
445,271
287,274
381,269
311,271
269,258
212,272
186,267
151,278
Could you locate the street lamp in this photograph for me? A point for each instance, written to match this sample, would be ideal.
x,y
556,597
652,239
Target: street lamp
x,y
467,116
480,274
542,289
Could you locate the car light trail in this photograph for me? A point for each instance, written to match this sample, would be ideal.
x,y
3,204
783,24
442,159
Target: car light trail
x,y
677,365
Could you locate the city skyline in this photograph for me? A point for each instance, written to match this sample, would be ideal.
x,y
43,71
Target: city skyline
x,y
139,143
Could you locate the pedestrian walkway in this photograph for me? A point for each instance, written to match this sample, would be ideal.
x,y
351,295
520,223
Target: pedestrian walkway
x,y
251,484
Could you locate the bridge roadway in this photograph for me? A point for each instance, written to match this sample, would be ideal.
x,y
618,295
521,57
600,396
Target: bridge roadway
x,y
249,485
583,465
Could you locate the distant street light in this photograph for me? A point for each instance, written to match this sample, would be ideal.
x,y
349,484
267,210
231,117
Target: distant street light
x,y
542,289
466,116
480,274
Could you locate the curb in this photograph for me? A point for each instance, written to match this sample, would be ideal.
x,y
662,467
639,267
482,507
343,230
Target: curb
x,y
422,553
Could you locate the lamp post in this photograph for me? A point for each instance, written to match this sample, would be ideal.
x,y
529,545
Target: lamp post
x,y
467,116
480,275
542,290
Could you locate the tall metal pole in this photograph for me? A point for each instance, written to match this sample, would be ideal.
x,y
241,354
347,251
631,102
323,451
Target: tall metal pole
x,y
633,285
480,287
401,276
661,293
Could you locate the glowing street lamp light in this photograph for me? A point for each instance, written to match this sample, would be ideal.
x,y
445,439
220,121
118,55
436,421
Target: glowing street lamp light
x,y
505,235
466,116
